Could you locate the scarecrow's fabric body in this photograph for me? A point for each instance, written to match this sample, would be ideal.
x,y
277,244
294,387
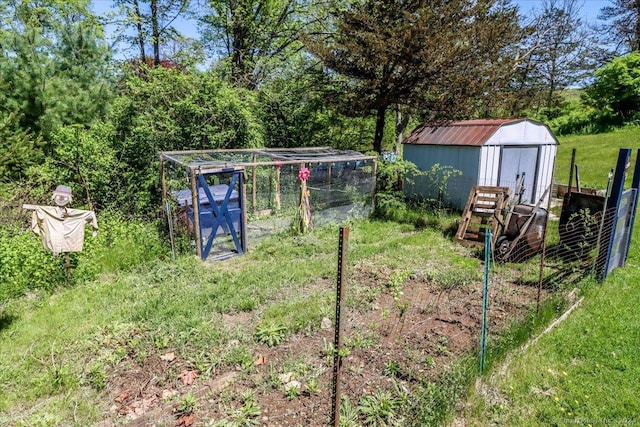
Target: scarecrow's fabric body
x,y
62,229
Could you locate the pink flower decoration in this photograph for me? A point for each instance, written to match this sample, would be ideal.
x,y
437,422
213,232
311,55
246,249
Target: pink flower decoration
x,y
304,174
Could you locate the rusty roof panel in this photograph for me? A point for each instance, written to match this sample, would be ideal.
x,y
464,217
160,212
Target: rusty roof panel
x,y
465,132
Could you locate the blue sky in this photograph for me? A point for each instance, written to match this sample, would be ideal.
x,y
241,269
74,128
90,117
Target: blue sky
x,y
590,9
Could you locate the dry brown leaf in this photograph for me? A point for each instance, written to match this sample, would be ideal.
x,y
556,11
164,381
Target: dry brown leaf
x,y
188,377
123,396
261,360
169,357
186,420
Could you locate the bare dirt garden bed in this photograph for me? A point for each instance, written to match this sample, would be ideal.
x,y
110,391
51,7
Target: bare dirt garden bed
x,y
401,332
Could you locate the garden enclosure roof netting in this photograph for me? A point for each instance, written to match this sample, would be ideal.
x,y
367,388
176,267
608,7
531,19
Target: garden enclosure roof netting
x,y
205,159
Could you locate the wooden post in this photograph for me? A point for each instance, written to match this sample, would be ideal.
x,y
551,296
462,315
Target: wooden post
x,y
162,178
374,172
196,212
243,210
573,163
278,201
167,207
254,180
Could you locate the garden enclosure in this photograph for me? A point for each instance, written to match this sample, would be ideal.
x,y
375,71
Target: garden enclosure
x,y
216,201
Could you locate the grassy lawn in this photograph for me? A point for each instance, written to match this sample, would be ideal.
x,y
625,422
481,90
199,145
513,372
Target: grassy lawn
x,y
58,351
595,155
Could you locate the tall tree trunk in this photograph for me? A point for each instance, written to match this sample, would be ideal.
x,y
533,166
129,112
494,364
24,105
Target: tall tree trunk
x,y
239,48
136,10
401,126
156,32
377,140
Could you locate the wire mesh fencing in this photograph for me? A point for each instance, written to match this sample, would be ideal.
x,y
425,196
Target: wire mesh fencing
x,y
337,191
338,188
543,270
418,340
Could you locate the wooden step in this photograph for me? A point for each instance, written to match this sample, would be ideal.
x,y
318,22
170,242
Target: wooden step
x,y
484,211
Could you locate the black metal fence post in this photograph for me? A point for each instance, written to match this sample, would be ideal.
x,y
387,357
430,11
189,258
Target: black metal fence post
x,y
338,342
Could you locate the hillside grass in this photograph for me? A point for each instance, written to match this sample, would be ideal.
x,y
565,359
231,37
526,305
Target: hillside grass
x,y
595,155
56,350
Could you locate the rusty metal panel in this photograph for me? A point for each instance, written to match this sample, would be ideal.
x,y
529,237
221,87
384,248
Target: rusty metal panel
x,y
465,132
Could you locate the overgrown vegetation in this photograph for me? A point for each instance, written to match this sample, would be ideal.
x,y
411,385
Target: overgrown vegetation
x,y
121,246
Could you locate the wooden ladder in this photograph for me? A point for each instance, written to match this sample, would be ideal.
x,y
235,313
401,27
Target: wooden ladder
x,y
485,209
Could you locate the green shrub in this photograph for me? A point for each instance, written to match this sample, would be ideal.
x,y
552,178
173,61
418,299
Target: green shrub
x,y
121,245
390,202
25,265
581,120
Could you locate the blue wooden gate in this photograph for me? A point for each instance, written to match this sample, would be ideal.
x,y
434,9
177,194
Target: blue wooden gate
x,y
220,212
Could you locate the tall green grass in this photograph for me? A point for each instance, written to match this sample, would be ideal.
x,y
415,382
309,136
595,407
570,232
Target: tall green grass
x,y
595,155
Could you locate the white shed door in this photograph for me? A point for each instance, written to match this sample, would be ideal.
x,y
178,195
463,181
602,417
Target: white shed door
x,y
514,162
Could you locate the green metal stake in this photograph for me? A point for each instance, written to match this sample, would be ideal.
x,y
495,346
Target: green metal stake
x,y
485,299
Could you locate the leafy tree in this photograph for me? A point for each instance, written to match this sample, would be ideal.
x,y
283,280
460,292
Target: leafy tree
x,y
558,52
254,36
294,113
53,64
617,88
445,59
153,25
622,24
85,160
16,148
170,109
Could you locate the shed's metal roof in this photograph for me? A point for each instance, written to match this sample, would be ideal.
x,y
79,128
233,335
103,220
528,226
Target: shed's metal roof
x,y
464,132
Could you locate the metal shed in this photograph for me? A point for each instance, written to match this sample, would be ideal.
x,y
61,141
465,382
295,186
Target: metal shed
x,y
493,152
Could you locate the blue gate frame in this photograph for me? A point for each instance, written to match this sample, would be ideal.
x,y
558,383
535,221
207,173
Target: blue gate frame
x,y
623,205
219,212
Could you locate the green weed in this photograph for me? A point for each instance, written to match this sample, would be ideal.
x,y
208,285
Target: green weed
x,y
379,409
187,404
348,413
271,334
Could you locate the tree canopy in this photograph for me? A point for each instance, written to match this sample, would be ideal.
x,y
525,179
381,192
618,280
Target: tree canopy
x,y
617,87
558,52
279,73
53,64
622,24
254,36
445,59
